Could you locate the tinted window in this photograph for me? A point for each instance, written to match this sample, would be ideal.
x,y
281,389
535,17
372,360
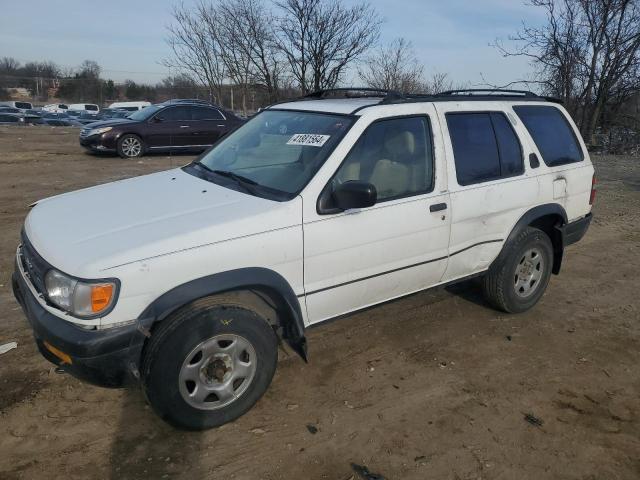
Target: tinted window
x,y
474,147
176,114
552,134
24,105
395,155
485,147
511,162
203,113
91,108
8,118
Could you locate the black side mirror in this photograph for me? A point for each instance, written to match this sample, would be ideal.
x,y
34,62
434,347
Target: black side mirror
x,y
355,194
158,119
533,160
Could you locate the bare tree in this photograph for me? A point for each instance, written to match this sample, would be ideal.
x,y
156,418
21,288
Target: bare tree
x,y
321,38
393,67
439,82
9,65
251,51
195,49
587,53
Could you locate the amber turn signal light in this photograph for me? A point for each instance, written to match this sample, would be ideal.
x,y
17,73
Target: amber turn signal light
x,y
101,296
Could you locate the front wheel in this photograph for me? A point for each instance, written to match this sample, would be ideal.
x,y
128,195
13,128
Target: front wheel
x,y
208,365
520,276
130,146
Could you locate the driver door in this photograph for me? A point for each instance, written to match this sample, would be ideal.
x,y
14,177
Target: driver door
x,y
361,257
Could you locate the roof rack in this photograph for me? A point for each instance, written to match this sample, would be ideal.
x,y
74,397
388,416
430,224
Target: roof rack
x,y
352,92
488,91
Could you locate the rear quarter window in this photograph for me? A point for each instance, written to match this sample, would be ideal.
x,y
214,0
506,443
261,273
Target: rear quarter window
x,y
551,133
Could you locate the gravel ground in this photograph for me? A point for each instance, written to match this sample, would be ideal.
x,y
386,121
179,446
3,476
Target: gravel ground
x,y
436,385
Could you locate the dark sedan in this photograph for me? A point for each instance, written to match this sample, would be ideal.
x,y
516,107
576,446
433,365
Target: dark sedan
x,y
160,127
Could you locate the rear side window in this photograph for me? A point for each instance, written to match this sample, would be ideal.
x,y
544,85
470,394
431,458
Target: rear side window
x,y
552,134
24,105
204,113
485,147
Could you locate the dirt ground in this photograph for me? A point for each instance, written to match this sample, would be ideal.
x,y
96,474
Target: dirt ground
x,y
434,386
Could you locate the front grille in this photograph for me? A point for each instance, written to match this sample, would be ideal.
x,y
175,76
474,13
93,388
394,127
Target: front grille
x,y
34,265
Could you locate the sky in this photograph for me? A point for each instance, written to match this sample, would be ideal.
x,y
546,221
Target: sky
x,y
127,37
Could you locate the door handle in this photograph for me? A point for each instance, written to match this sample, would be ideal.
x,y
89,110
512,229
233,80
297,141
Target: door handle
x,y
220,125
184,126
437,207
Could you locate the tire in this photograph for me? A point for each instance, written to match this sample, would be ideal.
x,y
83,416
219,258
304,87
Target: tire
x,y
519,277
130,146
177,371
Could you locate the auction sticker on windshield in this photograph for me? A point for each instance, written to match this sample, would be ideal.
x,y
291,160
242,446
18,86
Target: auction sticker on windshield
x,y
308,139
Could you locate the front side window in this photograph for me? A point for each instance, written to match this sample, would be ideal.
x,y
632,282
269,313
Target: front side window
x,y
551,133
274,154
485,147
175,114
395,156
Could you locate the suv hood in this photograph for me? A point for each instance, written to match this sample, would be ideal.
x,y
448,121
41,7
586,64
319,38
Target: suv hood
x,y
87,231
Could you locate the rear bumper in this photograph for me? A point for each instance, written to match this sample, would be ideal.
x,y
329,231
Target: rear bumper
x,y
102,357
574,231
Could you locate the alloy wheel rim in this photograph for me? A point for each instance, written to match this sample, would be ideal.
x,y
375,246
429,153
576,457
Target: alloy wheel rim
x,y
217,371
131,147
528,273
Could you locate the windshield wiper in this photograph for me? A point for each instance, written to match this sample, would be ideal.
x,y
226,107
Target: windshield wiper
x,y
235,176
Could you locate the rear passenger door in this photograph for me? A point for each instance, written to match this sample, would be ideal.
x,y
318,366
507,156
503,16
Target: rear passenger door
x,y
489,184
209,124
360,257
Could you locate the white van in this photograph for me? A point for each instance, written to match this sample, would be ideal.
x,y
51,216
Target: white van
x,y
91,108
24,106
56,108
311,210
129,106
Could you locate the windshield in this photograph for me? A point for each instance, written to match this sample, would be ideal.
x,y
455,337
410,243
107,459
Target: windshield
x,y
278,150
145,113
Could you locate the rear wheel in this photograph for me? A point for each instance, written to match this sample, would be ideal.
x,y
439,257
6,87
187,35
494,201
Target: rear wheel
x,y
519,278
130,146
208,365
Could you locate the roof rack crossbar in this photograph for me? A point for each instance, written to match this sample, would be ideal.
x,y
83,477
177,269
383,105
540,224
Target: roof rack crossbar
x,y
474,91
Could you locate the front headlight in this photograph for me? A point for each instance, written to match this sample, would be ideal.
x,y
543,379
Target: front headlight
x,y
82,299
99,131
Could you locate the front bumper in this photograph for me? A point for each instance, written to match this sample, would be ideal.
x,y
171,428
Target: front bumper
x,y
98,143
574,231
103,357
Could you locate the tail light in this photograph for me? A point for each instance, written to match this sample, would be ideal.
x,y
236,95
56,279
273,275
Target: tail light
x,y
592,197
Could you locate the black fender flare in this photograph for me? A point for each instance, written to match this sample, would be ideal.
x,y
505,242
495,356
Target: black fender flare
x,y
251,278
529,217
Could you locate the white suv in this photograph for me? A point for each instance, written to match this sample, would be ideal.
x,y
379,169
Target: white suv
x,y
184,280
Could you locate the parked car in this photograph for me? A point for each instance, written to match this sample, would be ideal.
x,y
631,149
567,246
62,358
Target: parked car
x,y
22,106
183,280
109,113
56,108
86,118
160,127
84,107
130,106
60,120
10,119
7,109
